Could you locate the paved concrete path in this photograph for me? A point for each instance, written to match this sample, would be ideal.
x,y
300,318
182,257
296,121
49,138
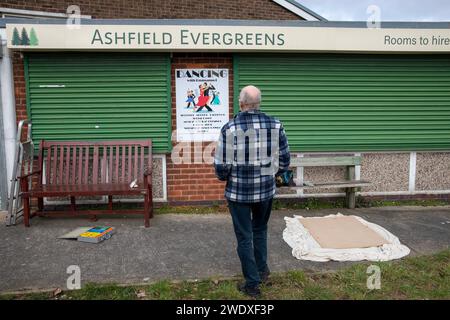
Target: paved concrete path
x,y
181,246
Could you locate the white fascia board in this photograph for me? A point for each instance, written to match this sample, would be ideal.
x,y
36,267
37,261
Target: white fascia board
x,y
298,11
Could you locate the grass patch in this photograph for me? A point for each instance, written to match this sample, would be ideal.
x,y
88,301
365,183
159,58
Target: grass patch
x,y
163,209
317,204
214,208
424,277
307,204
363,203
278,204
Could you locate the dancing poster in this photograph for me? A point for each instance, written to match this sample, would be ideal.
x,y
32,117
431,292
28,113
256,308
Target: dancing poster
x,y
202,103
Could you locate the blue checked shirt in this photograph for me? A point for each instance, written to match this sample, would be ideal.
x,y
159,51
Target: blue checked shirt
x,y
252,148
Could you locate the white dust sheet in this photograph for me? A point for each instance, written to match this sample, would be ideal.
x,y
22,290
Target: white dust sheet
x,y
341,238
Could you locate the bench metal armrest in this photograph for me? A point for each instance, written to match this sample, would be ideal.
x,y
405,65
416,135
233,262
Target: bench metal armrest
x,y
148,178
148,172
29,174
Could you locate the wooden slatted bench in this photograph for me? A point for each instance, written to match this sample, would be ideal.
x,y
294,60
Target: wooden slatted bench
x,y
82,169
350,185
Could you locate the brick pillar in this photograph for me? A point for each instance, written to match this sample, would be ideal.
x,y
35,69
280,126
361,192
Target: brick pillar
x,y
19,86
196,182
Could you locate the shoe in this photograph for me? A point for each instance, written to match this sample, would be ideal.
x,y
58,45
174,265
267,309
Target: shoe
x,y
264,276
253,292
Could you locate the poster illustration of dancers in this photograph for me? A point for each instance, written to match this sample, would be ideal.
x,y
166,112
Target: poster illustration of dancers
x,y
202,103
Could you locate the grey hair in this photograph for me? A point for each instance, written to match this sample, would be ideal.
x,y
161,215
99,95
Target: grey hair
x,y
252,101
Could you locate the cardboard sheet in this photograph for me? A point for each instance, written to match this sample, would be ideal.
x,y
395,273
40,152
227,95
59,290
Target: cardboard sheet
x,y
342,232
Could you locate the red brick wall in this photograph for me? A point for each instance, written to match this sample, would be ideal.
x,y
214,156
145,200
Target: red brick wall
x,y
196,182
19,86
162,9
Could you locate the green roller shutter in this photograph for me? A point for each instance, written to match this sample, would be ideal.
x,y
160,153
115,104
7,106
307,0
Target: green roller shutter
x,y
331,102
99,96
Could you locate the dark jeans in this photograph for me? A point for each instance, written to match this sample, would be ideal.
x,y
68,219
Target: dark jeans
x,y
250,225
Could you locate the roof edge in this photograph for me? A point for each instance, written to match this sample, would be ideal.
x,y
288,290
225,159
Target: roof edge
x,y
226,22
300,10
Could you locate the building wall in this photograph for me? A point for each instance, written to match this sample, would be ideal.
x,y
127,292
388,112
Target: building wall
x,y
392,174
433,171
167,9
185,182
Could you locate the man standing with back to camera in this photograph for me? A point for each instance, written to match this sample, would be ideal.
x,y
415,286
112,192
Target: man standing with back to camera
x,y
251,150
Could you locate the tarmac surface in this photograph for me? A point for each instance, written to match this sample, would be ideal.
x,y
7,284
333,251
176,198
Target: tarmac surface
x,y
181,246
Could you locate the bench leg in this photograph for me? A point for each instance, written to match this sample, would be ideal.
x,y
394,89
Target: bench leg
x,y
147,211
26,211
73,205
40,204
150,199
110,203
350,193
350,198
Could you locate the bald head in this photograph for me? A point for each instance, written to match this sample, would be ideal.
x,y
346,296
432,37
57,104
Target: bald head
x,y
249,98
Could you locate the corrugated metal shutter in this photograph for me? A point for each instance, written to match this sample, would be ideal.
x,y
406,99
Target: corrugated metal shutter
x,y
98,96
352,102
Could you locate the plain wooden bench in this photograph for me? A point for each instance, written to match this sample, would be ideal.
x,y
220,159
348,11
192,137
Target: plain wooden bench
x,y
350,184
85,169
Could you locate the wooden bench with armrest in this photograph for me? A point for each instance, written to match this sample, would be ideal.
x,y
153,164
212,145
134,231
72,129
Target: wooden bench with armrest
x,y
85,169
